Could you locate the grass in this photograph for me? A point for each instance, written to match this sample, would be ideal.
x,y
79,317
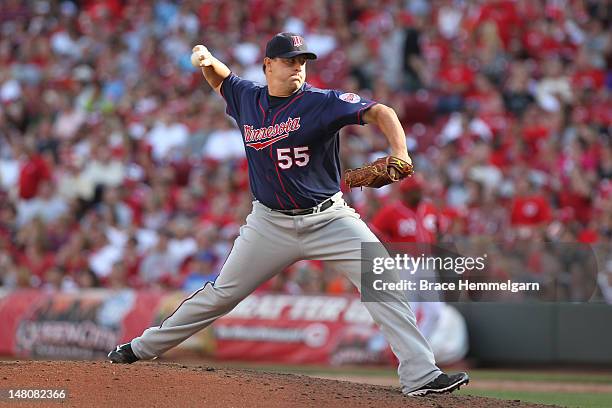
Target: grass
x,y
575,377
564,399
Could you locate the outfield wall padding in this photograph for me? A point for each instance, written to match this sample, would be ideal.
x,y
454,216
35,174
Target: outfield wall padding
x,y
546,333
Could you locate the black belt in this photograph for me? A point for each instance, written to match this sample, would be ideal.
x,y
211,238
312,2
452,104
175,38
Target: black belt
x,y
316,209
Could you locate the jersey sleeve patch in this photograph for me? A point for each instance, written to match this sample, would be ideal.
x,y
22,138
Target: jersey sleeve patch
x,y
350,97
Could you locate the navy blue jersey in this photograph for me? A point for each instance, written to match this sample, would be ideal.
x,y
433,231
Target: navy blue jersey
x,y
292,148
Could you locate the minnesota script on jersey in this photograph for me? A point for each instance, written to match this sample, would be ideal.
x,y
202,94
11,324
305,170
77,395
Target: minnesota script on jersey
x,y
293,147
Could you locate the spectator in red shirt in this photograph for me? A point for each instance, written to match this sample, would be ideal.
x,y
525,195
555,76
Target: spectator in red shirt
x,y
454,80
36,259
529,208
585,75
34,171
409,219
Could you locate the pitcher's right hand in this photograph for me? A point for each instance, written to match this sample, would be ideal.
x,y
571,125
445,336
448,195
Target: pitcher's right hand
x,y
201,57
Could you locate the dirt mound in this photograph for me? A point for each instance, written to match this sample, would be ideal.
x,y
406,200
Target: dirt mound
x,y
153,384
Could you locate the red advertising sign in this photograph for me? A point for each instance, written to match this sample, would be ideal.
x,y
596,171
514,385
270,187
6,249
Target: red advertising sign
x,y
83,325
289,329
300,329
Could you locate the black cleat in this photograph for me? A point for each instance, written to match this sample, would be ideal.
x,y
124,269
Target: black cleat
x,y
441,385
123,354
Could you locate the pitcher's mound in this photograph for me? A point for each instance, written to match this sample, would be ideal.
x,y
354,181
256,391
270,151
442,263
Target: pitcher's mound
x,y
173,385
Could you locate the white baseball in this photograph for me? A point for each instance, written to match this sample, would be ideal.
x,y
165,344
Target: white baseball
x,y
201,57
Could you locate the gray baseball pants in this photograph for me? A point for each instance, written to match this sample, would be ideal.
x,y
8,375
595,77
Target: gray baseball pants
x,y
269,242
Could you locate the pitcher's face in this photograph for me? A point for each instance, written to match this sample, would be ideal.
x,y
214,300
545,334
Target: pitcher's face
x,y
288,73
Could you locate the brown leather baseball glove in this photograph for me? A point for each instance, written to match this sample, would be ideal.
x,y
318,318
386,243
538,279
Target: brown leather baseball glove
x,y
381,172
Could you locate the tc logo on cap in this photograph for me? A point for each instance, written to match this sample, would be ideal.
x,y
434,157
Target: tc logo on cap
x,y
288,45
297,40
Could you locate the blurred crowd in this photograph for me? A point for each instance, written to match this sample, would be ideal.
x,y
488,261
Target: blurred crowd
x,y
119,167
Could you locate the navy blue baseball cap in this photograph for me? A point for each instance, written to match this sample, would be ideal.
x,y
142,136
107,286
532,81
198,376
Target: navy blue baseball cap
x,y
288,45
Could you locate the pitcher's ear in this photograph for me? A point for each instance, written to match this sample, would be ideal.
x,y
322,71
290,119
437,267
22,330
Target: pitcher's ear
x,y
266,62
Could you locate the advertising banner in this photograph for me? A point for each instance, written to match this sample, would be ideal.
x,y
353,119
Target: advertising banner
x,y
274,328
79,326
300,329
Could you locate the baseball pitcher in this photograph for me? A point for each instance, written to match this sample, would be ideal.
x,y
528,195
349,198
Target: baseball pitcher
x,y
290,133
